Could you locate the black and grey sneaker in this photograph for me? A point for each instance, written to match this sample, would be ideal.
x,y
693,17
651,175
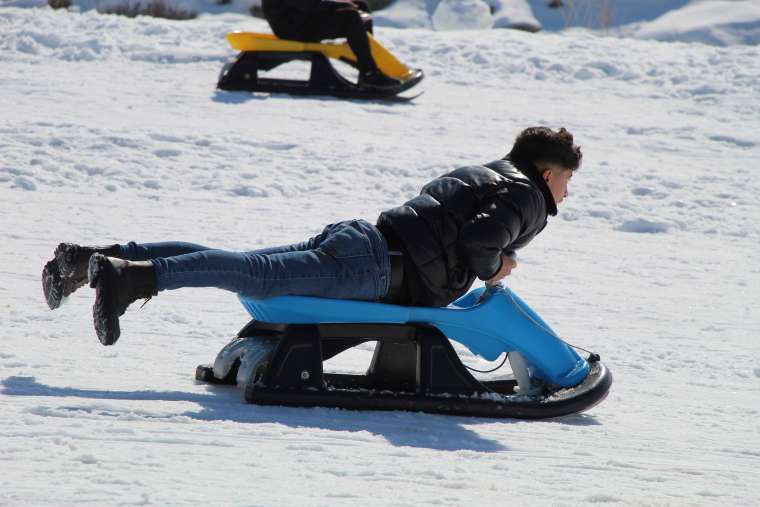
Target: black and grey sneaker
x,y
118,284
53,285
374,80
67,272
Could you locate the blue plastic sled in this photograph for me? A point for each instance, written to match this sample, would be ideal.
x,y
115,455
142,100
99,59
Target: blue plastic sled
x,y
414,366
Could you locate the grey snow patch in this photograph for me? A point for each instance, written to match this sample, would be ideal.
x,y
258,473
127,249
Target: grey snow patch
x,y
24,183
643,226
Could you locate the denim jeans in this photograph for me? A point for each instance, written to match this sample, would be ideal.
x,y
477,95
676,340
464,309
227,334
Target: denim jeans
x,y
347,260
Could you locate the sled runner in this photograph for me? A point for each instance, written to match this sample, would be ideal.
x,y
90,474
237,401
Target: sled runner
x,y
260,52
414,366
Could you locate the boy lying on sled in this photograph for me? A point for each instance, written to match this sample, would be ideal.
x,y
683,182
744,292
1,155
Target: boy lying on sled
x,y
426,252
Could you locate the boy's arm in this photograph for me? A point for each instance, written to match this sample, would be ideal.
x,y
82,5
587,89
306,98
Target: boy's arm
x,y
483,239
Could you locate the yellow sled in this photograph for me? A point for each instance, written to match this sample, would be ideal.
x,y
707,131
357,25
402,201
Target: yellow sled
x,y
263,52
386,62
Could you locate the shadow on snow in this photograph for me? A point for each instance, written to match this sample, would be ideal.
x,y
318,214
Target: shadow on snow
x,y
240,97
224,403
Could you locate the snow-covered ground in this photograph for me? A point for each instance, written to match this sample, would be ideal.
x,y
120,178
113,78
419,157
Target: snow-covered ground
x,y
721,23
111,130
715,22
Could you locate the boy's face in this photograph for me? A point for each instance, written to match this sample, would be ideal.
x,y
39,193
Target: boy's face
x,y
557,178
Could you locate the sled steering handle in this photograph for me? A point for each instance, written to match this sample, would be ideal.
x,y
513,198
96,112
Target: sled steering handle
x,y
510,254
500,285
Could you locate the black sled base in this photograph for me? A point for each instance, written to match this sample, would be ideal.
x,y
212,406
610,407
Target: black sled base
x,y
244,75
414,368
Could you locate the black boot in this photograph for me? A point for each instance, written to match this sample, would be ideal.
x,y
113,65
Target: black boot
x,y
68,270
118,283
374,80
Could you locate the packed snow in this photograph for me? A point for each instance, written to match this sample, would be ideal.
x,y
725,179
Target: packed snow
x,y
721,23
715,22
112,130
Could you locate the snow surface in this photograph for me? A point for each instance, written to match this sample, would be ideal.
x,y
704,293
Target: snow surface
x,y
112,131
598,14
722,23
458,14
715,22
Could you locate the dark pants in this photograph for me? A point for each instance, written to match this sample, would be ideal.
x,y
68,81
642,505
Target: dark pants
x,y
347,260
331,20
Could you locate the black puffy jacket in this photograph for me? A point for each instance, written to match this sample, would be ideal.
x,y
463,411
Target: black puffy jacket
x,y
459,225
288,17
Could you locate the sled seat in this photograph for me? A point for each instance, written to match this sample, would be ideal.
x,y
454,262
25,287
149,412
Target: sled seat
x,y
251,42
488,325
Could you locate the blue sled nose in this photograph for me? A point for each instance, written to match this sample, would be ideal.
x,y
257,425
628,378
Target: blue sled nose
x,y
488,325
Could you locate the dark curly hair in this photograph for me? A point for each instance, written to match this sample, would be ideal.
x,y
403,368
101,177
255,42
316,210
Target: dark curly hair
x,y
542,144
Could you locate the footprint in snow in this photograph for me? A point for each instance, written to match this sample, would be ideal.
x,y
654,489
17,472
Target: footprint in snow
x,y
643,226
165,153
24,184
741,143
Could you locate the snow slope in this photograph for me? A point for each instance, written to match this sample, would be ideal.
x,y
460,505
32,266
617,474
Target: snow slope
x,y
715,22
721,23
601,13
111,130
458,14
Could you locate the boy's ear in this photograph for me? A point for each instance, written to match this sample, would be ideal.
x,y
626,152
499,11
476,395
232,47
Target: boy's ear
x,y
546,175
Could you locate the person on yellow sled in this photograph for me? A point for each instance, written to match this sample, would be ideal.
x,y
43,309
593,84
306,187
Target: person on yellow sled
x,y
315,20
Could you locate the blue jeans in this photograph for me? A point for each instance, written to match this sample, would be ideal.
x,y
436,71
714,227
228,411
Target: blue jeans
x,y
347,260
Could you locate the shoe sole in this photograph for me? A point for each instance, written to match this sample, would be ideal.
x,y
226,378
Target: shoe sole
x,y
58,280
52,284
104,316
64,254
396,89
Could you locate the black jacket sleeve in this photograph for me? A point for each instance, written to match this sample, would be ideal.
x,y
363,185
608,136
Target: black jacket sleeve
x,y
489,233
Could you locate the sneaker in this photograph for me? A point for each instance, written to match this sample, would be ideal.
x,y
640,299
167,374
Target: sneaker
x,y
374,80
67,272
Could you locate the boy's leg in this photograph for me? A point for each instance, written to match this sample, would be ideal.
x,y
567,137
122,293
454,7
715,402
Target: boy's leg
x,y
67,271
333,23
126,276
348,260
146,251
348,22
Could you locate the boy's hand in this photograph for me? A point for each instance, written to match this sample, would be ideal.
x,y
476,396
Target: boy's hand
x,y
508,263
